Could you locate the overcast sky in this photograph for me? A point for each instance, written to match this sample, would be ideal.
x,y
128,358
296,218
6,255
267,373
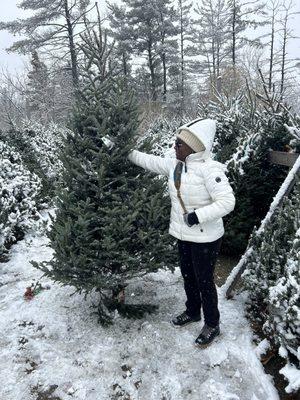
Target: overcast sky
x,y
15,63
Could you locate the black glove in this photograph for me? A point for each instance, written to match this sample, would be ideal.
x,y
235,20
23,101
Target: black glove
x,y
191,219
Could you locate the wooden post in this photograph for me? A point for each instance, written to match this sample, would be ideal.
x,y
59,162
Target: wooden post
x,y
279,158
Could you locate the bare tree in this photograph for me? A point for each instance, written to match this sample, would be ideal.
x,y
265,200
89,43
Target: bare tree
x,y
12,99
274,8
286,35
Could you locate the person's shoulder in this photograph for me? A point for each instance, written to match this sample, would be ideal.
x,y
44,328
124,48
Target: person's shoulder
x,y
217,165
210,165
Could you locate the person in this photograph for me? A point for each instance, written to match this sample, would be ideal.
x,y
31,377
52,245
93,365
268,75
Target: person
x,y
200,196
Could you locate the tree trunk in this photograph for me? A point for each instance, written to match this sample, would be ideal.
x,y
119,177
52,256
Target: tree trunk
x,y
213,47
164,77
163,58
74,65
182,59
125,70
234,38
152,73
272,51
283,55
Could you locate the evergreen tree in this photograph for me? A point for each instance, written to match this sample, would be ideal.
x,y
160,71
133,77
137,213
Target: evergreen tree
x,y
217,36
233,116
49,93
209,39
247,128
285,298
111,223
39,146
255,180
184,7
243,14
168,44
53,24
19,194
272,276
121,32
160,132
40,93
150,30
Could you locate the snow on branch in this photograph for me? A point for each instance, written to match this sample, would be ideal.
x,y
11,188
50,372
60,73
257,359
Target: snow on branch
x,y
284,189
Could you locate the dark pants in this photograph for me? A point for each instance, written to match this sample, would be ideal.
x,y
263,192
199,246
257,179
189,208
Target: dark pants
x,y
197,262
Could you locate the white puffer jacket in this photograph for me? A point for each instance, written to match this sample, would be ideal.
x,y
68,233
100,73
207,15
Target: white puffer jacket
x,y
204,187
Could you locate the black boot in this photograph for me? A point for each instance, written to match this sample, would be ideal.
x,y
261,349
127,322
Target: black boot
x,y
207,335
184,319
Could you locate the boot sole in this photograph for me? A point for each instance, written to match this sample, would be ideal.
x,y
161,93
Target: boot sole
x,y
204,346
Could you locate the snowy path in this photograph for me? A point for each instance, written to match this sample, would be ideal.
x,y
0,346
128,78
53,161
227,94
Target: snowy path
x,y
53,348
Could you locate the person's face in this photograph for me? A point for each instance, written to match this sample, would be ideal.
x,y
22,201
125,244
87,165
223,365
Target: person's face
x,y
182,150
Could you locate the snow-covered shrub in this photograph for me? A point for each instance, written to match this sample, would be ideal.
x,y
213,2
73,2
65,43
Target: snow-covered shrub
x,y
19,190
236,117
254,179
284,299
272,279
39,147
161,133
247,141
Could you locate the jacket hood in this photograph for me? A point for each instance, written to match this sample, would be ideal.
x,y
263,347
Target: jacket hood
x,y
204,130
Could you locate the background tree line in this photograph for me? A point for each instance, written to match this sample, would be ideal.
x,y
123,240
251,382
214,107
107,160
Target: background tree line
x,y
171,53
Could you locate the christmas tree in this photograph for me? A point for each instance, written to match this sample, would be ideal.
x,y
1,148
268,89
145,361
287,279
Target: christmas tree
x,y
110,225
254,179
272,276
39,146
19,198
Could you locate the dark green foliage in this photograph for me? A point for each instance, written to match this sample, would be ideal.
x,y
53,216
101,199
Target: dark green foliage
x,y
236,117
31,160
227,140
39,145
246,132
272,275
146,28
112,218
256,186
135,311
19,191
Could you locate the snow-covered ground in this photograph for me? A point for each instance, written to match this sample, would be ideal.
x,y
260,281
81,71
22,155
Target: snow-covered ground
x,y
53,348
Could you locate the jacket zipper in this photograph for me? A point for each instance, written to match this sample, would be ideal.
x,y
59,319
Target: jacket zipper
x,y
200,225
181,228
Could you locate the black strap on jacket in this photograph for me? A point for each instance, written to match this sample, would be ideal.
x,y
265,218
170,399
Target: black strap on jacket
x,y
177,182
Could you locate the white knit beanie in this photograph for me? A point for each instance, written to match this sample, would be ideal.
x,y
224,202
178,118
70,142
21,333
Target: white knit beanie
x,y
191,140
